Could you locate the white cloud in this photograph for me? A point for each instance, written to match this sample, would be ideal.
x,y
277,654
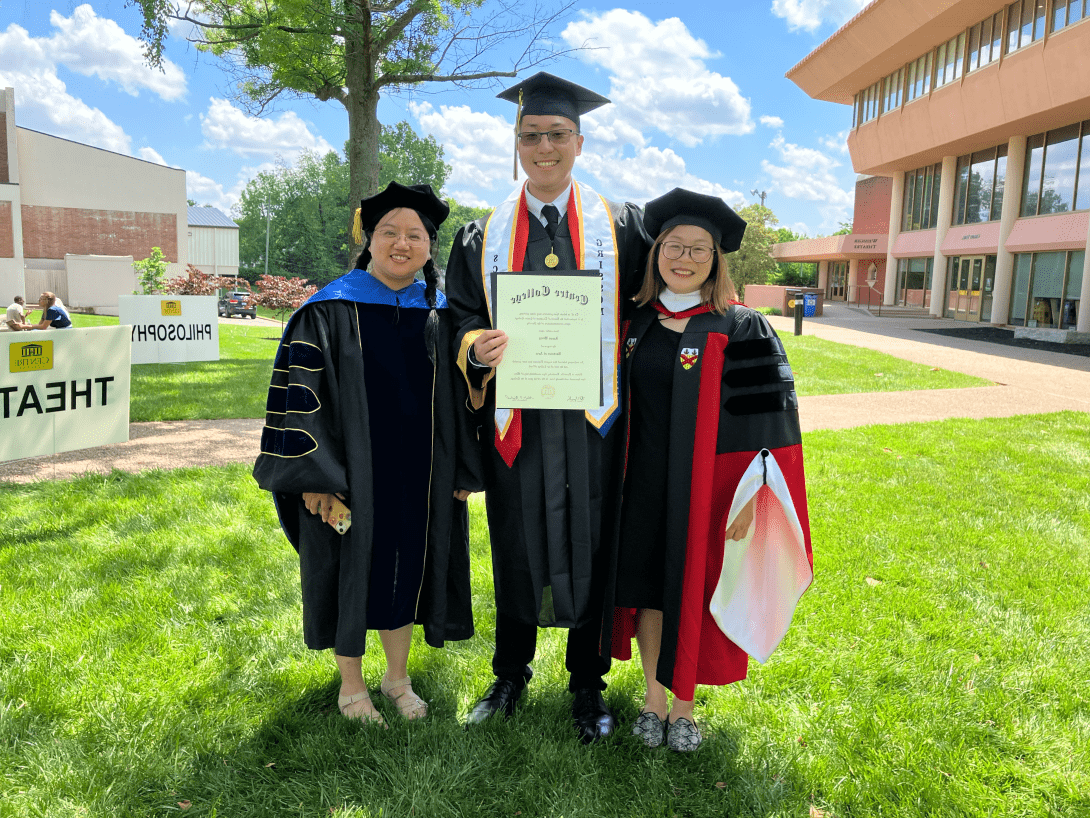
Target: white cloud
x,y
479,147
838,142
42,99
771,121
661,61
807,174
650,173
95,46
810,14
89,45
151,155
204,190
464,197
287,135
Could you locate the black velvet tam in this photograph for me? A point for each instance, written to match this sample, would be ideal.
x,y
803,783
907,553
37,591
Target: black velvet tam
x,y
681,206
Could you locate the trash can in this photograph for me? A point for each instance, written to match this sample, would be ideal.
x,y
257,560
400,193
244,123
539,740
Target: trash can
x,y
809,304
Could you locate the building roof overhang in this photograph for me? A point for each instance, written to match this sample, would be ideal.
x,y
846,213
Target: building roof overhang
x,y
833,248
881,38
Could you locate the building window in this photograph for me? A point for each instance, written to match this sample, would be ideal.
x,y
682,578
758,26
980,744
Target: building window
x,y
986,40
920,206
892,87
919,76
950,60
914,282
1056,162
1025,23
978,192
1046,289
1066,12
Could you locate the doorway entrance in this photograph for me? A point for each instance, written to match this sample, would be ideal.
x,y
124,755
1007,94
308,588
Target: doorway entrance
x,y
970,282
837,288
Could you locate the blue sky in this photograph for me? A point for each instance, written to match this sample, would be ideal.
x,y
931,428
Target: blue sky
x,y
700,101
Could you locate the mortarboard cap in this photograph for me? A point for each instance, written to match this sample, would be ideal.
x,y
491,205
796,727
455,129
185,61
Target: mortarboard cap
x,y
545,94
681,206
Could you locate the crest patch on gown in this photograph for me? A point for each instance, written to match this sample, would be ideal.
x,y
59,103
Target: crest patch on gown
x,y
689,356
629,345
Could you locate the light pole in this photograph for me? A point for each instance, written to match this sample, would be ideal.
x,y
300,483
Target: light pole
x,y
761,194
268,218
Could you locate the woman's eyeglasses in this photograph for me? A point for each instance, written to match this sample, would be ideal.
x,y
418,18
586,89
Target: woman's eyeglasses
x,y
697,252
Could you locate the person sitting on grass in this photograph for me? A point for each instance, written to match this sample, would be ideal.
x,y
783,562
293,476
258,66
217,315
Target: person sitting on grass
x,y
54,315
714,492
360,451
15,317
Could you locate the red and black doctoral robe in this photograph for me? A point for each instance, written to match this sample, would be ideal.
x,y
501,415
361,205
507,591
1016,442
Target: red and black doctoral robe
x,y
733,399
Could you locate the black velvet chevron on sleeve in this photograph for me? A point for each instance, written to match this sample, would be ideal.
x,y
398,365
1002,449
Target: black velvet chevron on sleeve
x,y
759,405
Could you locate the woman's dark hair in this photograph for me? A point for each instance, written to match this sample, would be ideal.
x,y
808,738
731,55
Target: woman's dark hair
x,y
431,278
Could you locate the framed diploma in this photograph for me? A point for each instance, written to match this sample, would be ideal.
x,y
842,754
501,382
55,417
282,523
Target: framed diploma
x,y
553,322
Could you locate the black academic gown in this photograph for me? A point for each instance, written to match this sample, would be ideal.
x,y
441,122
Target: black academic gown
x,y
319,438
541,575
732,396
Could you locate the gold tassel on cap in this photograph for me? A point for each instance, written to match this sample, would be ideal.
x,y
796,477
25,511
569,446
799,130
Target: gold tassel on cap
x,y
518,118
357,227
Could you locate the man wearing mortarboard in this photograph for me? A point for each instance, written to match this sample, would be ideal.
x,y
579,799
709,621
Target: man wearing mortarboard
x,y
551,476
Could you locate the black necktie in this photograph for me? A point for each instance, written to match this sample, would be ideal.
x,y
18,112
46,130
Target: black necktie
x,y
552,219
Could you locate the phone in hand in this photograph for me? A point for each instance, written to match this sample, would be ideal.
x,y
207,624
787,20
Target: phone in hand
x,y
340,516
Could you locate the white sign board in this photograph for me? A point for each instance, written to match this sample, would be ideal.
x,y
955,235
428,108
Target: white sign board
x,y
63,389
171,329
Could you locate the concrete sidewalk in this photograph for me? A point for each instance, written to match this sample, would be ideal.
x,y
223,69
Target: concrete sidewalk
x,y
1027,381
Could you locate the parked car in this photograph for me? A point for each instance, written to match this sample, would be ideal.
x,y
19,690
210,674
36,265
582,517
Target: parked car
x,y
238,303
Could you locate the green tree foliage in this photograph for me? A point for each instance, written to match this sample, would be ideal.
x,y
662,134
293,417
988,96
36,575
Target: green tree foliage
x,y
309,210
459,215
151,272
352,51
792,273
753,263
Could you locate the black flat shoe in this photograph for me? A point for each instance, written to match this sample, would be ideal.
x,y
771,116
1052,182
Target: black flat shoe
x,y
500,698
593,720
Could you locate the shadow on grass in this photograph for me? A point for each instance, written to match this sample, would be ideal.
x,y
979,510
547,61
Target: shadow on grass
x,y
305,759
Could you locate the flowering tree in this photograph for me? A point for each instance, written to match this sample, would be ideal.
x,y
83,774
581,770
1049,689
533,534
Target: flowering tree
x,y
281,295
196,282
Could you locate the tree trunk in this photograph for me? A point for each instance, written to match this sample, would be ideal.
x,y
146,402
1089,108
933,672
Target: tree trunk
x,y
363,125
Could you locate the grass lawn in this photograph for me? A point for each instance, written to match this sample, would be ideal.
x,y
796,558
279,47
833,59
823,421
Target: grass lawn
x,y
153,663
232,387
235,386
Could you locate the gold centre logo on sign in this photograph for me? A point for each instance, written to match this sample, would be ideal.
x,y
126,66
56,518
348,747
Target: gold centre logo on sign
x,y
171,307
30,356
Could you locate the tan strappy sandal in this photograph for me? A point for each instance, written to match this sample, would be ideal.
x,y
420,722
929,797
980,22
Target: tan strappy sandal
x,y
365,712
408,704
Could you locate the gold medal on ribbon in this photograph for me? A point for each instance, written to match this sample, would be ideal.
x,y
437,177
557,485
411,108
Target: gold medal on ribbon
x,y
551,260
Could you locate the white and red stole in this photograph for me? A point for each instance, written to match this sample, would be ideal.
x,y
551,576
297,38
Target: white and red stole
x,y
594,241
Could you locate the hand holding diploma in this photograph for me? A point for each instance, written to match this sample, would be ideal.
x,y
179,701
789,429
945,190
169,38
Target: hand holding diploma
x,y
489,346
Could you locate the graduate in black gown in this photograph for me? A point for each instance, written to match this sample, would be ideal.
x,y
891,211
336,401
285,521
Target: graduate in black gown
x,y
714,546
551,476
365,414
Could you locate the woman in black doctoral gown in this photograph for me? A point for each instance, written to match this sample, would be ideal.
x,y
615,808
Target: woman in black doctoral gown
x,y
363,413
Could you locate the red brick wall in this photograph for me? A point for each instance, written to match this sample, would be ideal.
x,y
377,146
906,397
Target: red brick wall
x,y
7,231
4,148
872,201
50,232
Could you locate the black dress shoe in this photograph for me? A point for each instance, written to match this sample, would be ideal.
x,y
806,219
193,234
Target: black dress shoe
x,y
500,698
592,718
